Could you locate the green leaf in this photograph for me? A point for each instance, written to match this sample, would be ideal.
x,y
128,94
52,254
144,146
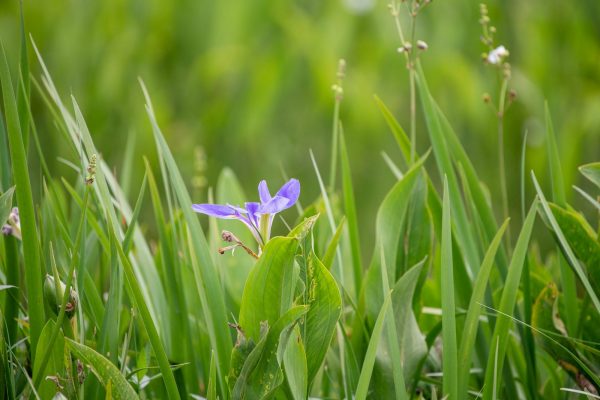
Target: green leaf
x,y
367,368
438,133
582,239
449,363
332,246
208,285
211,392
507,305
472,319
351,215
325,309
104,370
261,374
391,214
303,228
295,366
55,365
564,244
268,292
6,205
592,172
33,269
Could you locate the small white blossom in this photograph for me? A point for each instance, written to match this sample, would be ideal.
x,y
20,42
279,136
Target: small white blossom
x,y
495,56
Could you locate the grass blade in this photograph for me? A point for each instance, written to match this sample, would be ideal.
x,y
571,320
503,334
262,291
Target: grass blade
x,y
367,368
507,304
450,363
33,269
472,319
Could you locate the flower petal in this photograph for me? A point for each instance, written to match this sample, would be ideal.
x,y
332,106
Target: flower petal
x,y
263,191
216,210
275,205
291,191
253,209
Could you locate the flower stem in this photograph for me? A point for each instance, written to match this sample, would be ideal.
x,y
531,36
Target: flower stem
x,y
501,162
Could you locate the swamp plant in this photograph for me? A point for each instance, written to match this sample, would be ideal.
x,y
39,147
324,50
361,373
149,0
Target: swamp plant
x,y
450,305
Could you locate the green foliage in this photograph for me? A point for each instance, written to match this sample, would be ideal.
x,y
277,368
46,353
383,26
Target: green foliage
x,y
451,304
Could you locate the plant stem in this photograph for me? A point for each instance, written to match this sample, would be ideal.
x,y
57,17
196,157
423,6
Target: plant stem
x,y
501,163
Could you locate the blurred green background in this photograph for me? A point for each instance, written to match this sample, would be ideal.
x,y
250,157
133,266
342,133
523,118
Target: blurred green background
x,y
249,82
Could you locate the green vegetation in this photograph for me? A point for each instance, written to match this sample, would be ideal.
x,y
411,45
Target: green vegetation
x,y
470,271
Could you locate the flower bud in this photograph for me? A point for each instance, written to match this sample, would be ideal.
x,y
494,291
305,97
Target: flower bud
x,y
486,98
54,302
422,45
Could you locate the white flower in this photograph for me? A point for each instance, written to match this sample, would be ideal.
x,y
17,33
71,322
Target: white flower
x,y
495,56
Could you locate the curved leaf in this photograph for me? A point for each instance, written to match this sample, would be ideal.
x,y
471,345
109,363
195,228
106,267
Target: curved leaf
x,y
104,370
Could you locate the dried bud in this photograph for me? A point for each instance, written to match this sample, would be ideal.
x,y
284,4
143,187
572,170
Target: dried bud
x,y
512,94
91,169
486,98
422,45
54,303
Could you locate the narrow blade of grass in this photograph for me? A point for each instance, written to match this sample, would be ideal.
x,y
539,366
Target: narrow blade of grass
x,y
351,215
507,304
449,364
33,269
472,319
364,379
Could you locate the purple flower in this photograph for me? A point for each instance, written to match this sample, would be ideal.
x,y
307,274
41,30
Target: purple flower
x,y
258,217
13,225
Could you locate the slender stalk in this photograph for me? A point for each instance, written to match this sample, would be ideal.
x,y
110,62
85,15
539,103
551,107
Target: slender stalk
x,y
501,161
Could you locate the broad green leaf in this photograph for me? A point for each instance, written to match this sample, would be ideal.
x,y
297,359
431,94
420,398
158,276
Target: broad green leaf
x,y
55,366
592,172
303,228
104,370
391,215
564,244
507,304
582,239
268,292
295,366
261,374
546,319
408,343
472,319
325,309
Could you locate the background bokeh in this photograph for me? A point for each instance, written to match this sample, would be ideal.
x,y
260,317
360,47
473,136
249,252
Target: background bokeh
x,y
249,82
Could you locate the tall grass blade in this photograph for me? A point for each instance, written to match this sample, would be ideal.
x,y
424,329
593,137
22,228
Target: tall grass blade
x,y
449,363
207,281
33,268
366,371
470,326
351,215
507,304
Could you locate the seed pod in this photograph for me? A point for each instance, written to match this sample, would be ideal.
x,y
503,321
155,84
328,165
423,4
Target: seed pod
x,y
54,302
